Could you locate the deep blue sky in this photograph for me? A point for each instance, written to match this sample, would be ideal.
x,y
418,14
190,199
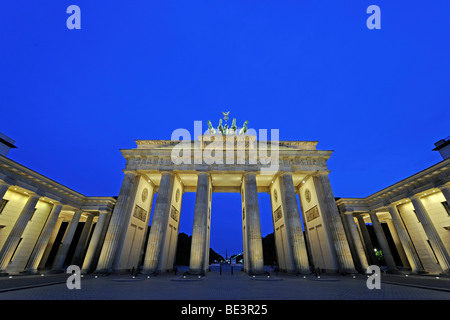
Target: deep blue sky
x,y
140,69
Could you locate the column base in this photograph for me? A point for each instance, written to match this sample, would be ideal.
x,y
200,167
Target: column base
x,y
55,271
30,272
150,272
196,272
104,271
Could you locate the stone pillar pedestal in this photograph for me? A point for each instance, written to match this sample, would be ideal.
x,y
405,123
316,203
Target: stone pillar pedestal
x,y
432,234
14,236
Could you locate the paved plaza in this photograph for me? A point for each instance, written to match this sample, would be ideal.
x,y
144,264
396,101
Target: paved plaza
x,y
225,285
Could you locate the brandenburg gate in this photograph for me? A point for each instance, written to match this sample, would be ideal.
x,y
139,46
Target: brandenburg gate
x,y
226,159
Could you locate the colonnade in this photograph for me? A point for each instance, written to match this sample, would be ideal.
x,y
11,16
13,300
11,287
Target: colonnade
x,y
291,247
424,226
31,224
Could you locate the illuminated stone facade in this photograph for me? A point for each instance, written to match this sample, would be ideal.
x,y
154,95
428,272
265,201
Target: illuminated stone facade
x,y
45,226
417,214
301,168
34,213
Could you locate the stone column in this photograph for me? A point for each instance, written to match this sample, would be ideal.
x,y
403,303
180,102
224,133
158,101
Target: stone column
x,y
367,241
3,188
66,242
200,227
357,241
253,225
83,239
293,224
397,243
94,243
14,236
116,224
41,244
432,234
405,240
387,254
445,189
51,242
331,212
159,223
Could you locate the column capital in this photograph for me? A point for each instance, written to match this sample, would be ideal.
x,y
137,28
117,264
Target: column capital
x,y
284,173
445,186
33,195
247,173
391,205
104,212
321,173
130,172
167,172
5,183
416,196
207,173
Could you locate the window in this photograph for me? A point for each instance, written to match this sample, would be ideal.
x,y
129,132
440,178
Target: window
x,y
445,204
3,203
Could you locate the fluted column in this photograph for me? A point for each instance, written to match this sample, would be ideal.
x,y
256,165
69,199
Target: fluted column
x,y
16,232
357,241
253,225
159,223
200,227
432,234
42,242
387,254
328,205
3,188
81,245
366,239
66,242
94,243
445,189
405,240
294,224
116,224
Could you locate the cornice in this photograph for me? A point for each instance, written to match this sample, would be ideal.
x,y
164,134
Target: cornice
x,y
17,174
432,177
